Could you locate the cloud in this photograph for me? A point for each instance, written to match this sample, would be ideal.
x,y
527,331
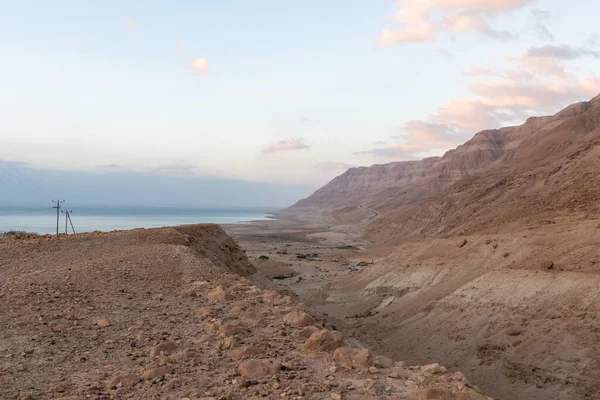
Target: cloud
x,y
421,20
285,145
537,82
200,66
444,53
130,24
378,142
111,167
564,52
177,169
419,137
541,16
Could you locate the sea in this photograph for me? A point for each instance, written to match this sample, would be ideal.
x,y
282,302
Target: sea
x,y
98,218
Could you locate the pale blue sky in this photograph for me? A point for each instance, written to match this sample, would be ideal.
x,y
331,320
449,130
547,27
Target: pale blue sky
x,y
90,84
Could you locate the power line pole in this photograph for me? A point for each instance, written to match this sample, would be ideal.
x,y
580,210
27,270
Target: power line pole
x,y
71,222
57,206
68,221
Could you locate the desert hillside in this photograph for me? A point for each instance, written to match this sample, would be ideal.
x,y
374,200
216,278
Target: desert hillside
x,y
544,167
176,313
486,259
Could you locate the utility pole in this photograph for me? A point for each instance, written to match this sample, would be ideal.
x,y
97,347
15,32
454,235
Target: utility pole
x,y
71,222
57,206
68,221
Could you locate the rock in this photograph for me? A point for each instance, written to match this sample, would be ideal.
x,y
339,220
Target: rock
x,y
433,369
165,348
514,331
383,362
205,311
174,384
252,318
219,295
458,376
271,296
188,293
324,340
299,319
123,380
254,369
547,265
155,373
244,351
183,356
263,257
229,329
103,323
306,332
463,243
336,396
350,357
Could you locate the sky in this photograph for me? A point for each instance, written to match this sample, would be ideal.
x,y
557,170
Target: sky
x,y
280,92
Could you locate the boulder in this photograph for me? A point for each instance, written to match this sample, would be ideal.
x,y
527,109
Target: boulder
x,y
324,340
350,357
299,319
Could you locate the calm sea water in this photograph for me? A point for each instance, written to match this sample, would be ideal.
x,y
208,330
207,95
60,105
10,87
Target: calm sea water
x,y
88,219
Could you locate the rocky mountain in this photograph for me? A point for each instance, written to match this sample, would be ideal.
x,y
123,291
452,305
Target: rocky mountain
x,y
546,165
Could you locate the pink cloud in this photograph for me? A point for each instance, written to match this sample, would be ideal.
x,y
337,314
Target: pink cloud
x,y
418,137
200,66
537,82
459,16
285,145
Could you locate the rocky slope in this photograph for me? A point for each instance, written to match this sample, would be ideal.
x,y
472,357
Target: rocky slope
x,y
550,159
173,313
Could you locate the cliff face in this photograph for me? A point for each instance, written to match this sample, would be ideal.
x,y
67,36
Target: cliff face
x,y
544,165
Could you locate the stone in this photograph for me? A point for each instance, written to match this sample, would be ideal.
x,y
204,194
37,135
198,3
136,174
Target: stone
x,y
165,348
305,332
463,243
123,380
271,296
244,351
186,355
349,357
103,323
383,362
254,369
547,265
433,369
299,319
229,329
155,373
252,318
324,340
219,295
335,396
174,384
188,293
